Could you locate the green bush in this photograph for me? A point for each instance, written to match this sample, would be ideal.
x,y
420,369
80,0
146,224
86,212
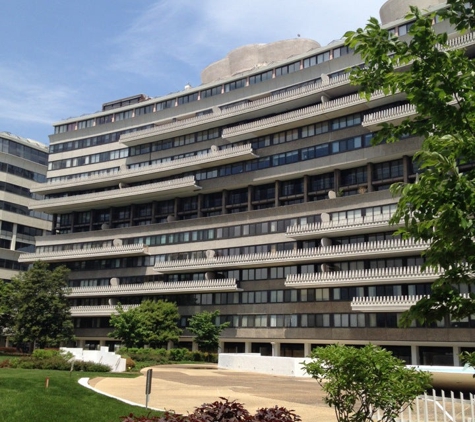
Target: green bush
x,y
178,355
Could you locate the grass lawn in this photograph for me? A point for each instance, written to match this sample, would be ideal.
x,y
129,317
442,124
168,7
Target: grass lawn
x,y
23,397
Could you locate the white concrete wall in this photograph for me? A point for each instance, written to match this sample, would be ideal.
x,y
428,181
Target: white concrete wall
x,y
254,362
103,356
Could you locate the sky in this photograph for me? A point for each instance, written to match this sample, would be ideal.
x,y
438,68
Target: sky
x,y
61,58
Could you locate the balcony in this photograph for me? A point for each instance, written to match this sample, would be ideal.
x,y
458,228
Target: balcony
x,y
346,227
381,249
369,277
83,254
393,115
384,303
213,158
192,286
271,104
117,197
97,311
325,110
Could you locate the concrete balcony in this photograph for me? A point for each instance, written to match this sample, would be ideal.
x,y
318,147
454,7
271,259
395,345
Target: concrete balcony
x,y
346,227
393,115
83,254
97,311
369,277
117,197
192,286
323,111
384,303
213,158
381,249
270,104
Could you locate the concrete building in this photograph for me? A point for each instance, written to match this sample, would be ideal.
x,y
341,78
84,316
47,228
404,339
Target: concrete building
x,y
258,194
23,162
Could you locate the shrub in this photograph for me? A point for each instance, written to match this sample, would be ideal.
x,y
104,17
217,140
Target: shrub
x,y
129,363
90,366
177,355
276,414
222,411
5,363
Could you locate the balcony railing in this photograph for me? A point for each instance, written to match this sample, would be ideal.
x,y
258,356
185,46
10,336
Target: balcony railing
x,y
389,303
101,310
384,303
337,227
322,254
234,133
167,129
212,158
117,197
372,276
192,286
91,253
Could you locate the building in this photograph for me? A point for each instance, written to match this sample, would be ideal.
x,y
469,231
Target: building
x,y
258,194
23,162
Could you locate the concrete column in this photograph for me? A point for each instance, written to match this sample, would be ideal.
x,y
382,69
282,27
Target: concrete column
x,y
306,182
80,343
250,192
14,233
200,205
54,224
224,202
170,345
247,347
221,347
154,212
132,215
277,193
275,348
414,355
307,349
102,343
456,352
369,177
194,347
336,180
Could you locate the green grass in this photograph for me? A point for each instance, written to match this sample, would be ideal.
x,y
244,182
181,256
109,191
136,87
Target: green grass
x,y
25,398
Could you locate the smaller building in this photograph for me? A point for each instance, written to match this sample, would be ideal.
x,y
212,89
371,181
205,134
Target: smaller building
x,y
22,162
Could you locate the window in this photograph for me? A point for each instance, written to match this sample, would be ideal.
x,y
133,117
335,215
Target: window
x,y
341,51
255,79
188,98
210,92
319,58
144,110
231,86
123,115
290,68
104,119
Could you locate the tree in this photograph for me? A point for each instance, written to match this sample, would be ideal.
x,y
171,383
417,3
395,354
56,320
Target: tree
x,y
5,312
152,323
38,308
207,332
359,381
438,81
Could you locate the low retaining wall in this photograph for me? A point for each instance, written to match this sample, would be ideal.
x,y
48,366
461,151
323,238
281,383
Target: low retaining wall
x,y
103,356
254,362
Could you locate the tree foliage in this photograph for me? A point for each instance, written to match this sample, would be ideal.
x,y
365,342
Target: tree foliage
x,y
37,309
207,332
438,80
152,323
359,381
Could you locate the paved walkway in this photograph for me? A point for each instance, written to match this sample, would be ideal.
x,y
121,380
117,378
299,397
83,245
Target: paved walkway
x,y
181,388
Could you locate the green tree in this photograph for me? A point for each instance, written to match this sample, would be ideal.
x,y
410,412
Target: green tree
x,y
5,309
152,323
128,326
360,381
161,322
207,332
438,80
38,306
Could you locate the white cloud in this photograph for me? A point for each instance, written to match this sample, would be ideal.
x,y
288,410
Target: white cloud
x,y
173,34
28,98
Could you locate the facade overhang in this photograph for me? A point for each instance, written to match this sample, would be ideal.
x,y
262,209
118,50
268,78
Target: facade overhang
x,y
118,197
135,175
162,288
323,254
86,254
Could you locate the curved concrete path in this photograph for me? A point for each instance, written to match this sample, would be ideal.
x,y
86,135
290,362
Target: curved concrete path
x,y
181,388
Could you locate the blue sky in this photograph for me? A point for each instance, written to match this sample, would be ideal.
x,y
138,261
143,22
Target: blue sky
x,y
62,58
